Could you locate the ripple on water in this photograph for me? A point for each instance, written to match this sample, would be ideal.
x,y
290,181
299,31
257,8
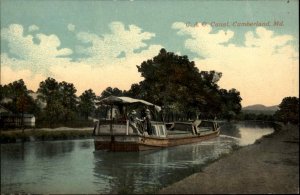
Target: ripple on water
x,y
74,167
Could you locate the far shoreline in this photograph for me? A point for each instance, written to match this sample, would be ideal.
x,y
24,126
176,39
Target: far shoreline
x,y
30,134
45,134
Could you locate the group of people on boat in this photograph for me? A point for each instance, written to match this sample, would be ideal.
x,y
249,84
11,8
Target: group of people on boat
x,y
143,124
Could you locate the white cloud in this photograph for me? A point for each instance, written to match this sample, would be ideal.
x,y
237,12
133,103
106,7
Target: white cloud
x,y
111,59
24,53
71,27
116,47
265,69
33,28
202,41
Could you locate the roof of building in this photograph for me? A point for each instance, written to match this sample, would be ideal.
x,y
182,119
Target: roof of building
x,y
4,110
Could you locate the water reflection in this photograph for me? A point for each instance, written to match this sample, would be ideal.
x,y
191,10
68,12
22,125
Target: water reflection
x,y
230,129
85,145
251,132
52,148
14,151
246,133
132,171
73,166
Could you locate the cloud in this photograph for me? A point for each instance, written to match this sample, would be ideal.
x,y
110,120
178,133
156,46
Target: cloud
x,y
33,28
24,53
110,60
202,41
264,69
121,44
71,27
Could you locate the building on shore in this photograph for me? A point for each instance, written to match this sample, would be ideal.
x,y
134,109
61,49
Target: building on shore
x,y
11,120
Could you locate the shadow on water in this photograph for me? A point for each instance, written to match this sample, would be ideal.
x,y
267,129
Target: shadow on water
x,y
73,166
14,151
146,172
51,149
230,129
86,145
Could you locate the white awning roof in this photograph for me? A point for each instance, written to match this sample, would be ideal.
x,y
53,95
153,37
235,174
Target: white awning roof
x,y
126,100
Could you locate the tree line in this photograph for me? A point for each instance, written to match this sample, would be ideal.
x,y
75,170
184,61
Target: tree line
x,y
170,80
54,102
288,112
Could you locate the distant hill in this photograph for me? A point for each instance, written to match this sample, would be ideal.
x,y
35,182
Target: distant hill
x,y
259,108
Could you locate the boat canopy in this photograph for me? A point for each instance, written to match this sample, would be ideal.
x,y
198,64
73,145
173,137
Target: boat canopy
x,y
127,100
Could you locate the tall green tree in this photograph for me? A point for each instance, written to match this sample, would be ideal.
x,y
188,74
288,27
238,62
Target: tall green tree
x,y
231,103
288,110
17,92
19,100
175,82
68,100
168,81
135,91
87,103
211,103
49,92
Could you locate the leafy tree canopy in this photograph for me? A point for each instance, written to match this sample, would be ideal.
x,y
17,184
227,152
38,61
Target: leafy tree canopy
x,y
288,110
175,82
87,103
111,91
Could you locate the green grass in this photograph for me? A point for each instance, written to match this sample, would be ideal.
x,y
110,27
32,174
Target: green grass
x,y
40,135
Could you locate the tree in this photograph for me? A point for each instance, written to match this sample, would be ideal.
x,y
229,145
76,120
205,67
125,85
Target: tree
x,y
211,103
60,100
101,110
2,92
20,102
49,90
111,91
68,100
87,103
135,91
231,105
17,93
288,110
175,82
168,80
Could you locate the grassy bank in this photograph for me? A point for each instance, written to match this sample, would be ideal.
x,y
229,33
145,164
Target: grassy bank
x,y
43,135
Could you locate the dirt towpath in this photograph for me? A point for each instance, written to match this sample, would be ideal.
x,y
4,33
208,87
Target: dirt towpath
x,y
269,166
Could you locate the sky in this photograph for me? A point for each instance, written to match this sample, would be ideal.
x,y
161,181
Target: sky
x,y
98,44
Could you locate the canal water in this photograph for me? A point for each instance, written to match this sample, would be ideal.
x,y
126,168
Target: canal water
x,y
73,166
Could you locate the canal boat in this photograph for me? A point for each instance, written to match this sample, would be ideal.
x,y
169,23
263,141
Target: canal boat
x,y
119,131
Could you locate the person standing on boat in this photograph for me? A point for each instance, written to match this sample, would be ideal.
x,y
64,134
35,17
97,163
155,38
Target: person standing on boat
x,y
147,121
135,121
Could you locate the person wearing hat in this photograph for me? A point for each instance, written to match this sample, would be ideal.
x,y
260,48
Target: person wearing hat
x,y
147,121
135,121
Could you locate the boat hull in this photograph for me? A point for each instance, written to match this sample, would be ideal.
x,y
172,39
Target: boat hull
x,y
123,143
